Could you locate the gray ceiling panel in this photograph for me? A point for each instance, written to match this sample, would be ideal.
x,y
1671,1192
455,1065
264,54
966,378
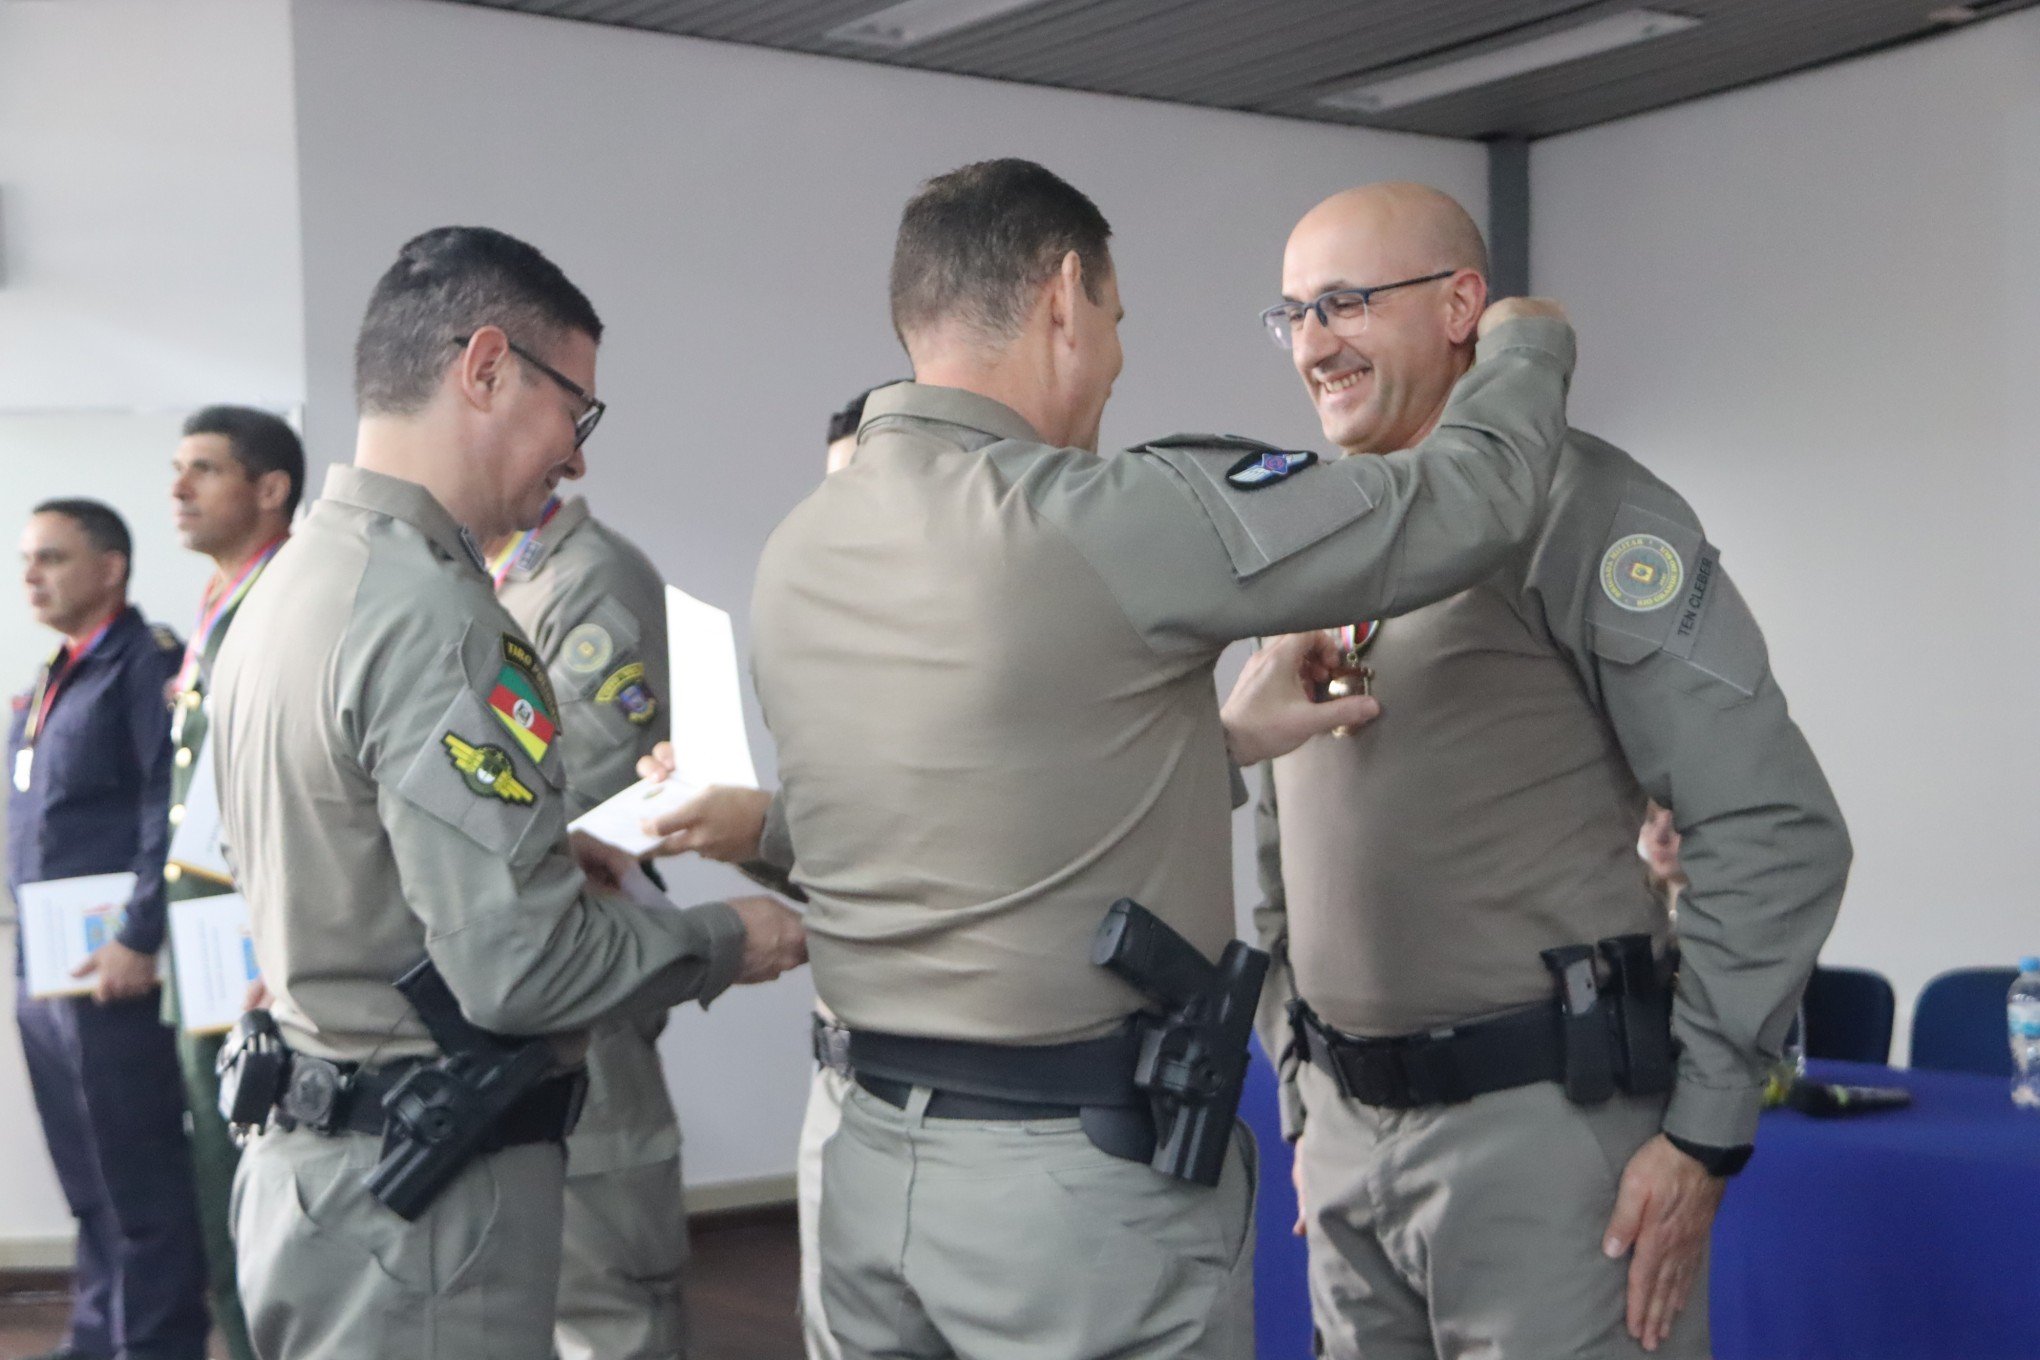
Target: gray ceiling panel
x,y
1283,56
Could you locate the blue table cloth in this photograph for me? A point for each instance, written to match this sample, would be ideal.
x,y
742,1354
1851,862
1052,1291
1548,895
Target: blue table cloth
x,y
1908,1235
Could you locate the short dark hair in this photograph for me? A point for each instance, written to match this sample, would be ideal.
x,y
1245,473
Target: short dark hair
x,y
262,443
104,529
975,243
844,423
445,284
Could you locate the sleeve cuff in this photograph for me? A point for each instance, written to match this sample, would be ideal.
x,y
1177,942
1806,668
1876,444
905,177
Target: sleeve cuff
x,y
1238,778
1545,334
1714,1116
724,946
143,931
775,840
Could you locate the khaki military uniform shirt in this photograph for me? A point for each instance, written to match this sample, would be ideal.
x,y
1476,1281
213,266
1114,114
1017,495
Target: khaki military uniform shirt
x,y
595,608
391,785
987,664
1414,871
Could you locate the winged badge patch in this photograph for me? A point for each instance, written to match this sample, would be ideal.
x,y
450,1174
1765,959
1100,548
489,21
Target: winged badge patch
x,y
487,770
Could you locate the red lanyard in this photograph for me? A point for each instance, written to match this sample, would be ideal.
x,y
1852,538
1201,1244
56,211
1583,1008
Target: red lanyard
x,y
52,682
213,608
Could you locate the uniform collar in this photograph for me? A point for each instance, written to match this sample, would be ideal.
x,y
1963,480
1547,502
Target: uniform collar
x,y
382,494
572,514
952,405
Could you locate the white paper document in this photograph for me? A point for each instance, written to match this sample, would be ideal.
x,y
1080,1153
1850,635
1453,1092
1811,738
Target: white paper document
x,y
619,822
64,922
195,844
707,704
215,960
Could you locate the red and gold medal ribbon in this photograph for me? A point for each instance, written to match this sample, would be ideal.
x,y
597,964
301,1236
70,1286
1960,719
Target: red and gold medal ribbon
x,y
499,569
214,607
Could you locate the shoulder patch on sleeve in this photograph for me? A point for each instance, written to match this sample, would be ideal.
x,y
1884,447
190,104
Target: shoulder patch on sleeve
x,y
1266,503
477,785
626,688
1659,587
587,649
606,637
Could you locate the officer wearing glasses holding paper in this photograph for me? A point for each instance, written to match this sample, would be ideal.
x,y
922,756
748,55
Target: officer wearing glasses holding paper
x,y
89,750
1499,1153
393,791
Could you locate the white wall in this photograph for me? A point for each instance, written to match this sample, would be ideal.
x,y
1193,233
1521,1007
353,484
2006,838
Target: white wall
x,y
1811,306
148,265
149,243
731,213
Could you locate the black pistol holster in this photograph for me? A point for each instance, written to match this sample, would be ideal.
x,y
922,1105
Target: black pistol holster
x,y
442,1114
1192,1061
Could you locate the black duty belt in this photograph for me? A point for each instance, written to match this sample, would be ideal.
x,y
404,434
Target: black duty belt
x,y
999,1081
341,1097
1438,1067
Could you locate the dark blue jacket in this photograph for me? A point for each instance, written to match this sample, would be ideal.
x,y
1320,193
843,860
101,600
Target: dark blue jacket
x,y
98,799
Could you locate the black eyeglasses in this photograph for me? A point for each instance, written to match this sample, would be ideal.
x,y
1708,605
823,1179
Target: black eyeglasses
x,y
591,407
1342,311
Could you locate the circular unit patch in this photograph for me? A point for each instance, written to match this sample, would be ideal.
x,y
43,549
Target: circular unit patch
x,y
588,648
1642,572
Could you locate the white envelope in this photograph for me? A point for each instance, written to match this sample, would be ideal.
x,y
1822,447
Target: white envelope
x,y
64,921
706,708
618,822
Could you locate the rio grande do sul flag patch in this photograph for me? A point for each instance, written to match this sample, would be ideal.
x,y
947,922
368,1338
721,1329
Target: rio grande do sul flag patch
x,y
522,700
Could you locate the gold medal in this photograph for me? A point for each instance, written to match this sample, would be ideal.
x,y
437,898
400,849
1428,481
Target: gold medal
x,y
1351,677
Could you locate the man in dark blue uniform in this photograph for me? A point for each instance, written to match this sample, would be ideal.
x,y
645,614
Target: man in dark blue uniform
x,y
89,756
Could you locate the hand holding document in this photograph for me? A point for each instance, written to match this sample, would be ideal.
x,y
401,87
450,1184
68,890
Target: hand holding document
x,y
64,922
706,708
215,961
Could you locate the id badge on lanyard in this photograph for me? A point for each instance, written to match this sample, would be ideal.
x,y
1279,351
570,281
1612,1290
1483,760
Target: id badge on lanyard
x,y
24,768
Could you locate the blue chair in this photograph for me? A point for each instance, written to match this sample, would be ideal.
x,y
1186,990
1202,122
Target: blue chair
x,y
1849,1015
1282,1327
1959,1022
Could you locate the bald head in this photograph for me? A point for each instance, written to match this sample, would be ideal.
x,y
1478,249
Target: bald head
x,y
1423,228
1379,372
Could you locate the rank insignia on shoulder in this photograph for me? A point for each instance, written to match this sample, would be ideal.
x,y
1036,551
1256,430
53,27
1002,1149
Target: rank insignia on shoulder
x,y
487,770
1257,470
166,641
628,691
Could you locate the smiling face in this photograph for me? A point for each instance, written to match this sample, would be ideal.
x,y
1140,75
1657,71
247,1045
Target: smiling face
x,y
529,428
1384,387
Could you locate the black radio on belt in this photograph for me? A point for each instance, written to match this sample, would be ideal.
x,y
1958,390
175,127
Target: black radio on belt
x,y
253,1067
1588,1063
1193,1057
1644,1059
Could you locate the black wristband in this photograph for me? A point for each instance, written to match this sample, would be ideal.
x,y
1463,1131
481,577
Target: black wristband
x,y
1718,1161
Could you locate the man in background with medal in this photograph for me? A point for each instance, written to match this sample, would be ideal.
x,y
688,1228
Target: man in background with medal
x,y
89,749
595,608
1487,1165
236,479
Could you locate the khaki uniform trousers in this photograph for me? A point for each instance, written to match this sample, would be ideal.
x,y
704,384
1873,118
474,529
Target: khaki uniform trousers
x,y
817,1127
1475,1229
328,1273
623,1265
964,1240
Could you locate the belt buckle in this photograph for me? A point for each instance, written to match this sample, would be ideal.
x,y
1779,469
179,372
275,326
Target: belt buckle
x,y
1375,1072
313,1097
832,1046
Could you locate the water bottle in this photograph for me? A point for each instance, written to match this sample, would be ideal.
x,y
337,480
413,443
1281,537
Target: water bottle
x,y
2022,1019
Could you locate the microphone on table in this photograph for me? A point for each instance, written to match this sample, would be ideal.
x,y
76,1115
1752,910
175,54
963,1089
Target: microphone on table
x,y
1827,1099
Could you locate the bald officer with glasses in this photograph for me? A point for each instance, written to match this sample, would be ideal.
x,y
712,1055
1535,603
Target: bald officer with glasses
x,y
986,655
1500,1153
393,789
